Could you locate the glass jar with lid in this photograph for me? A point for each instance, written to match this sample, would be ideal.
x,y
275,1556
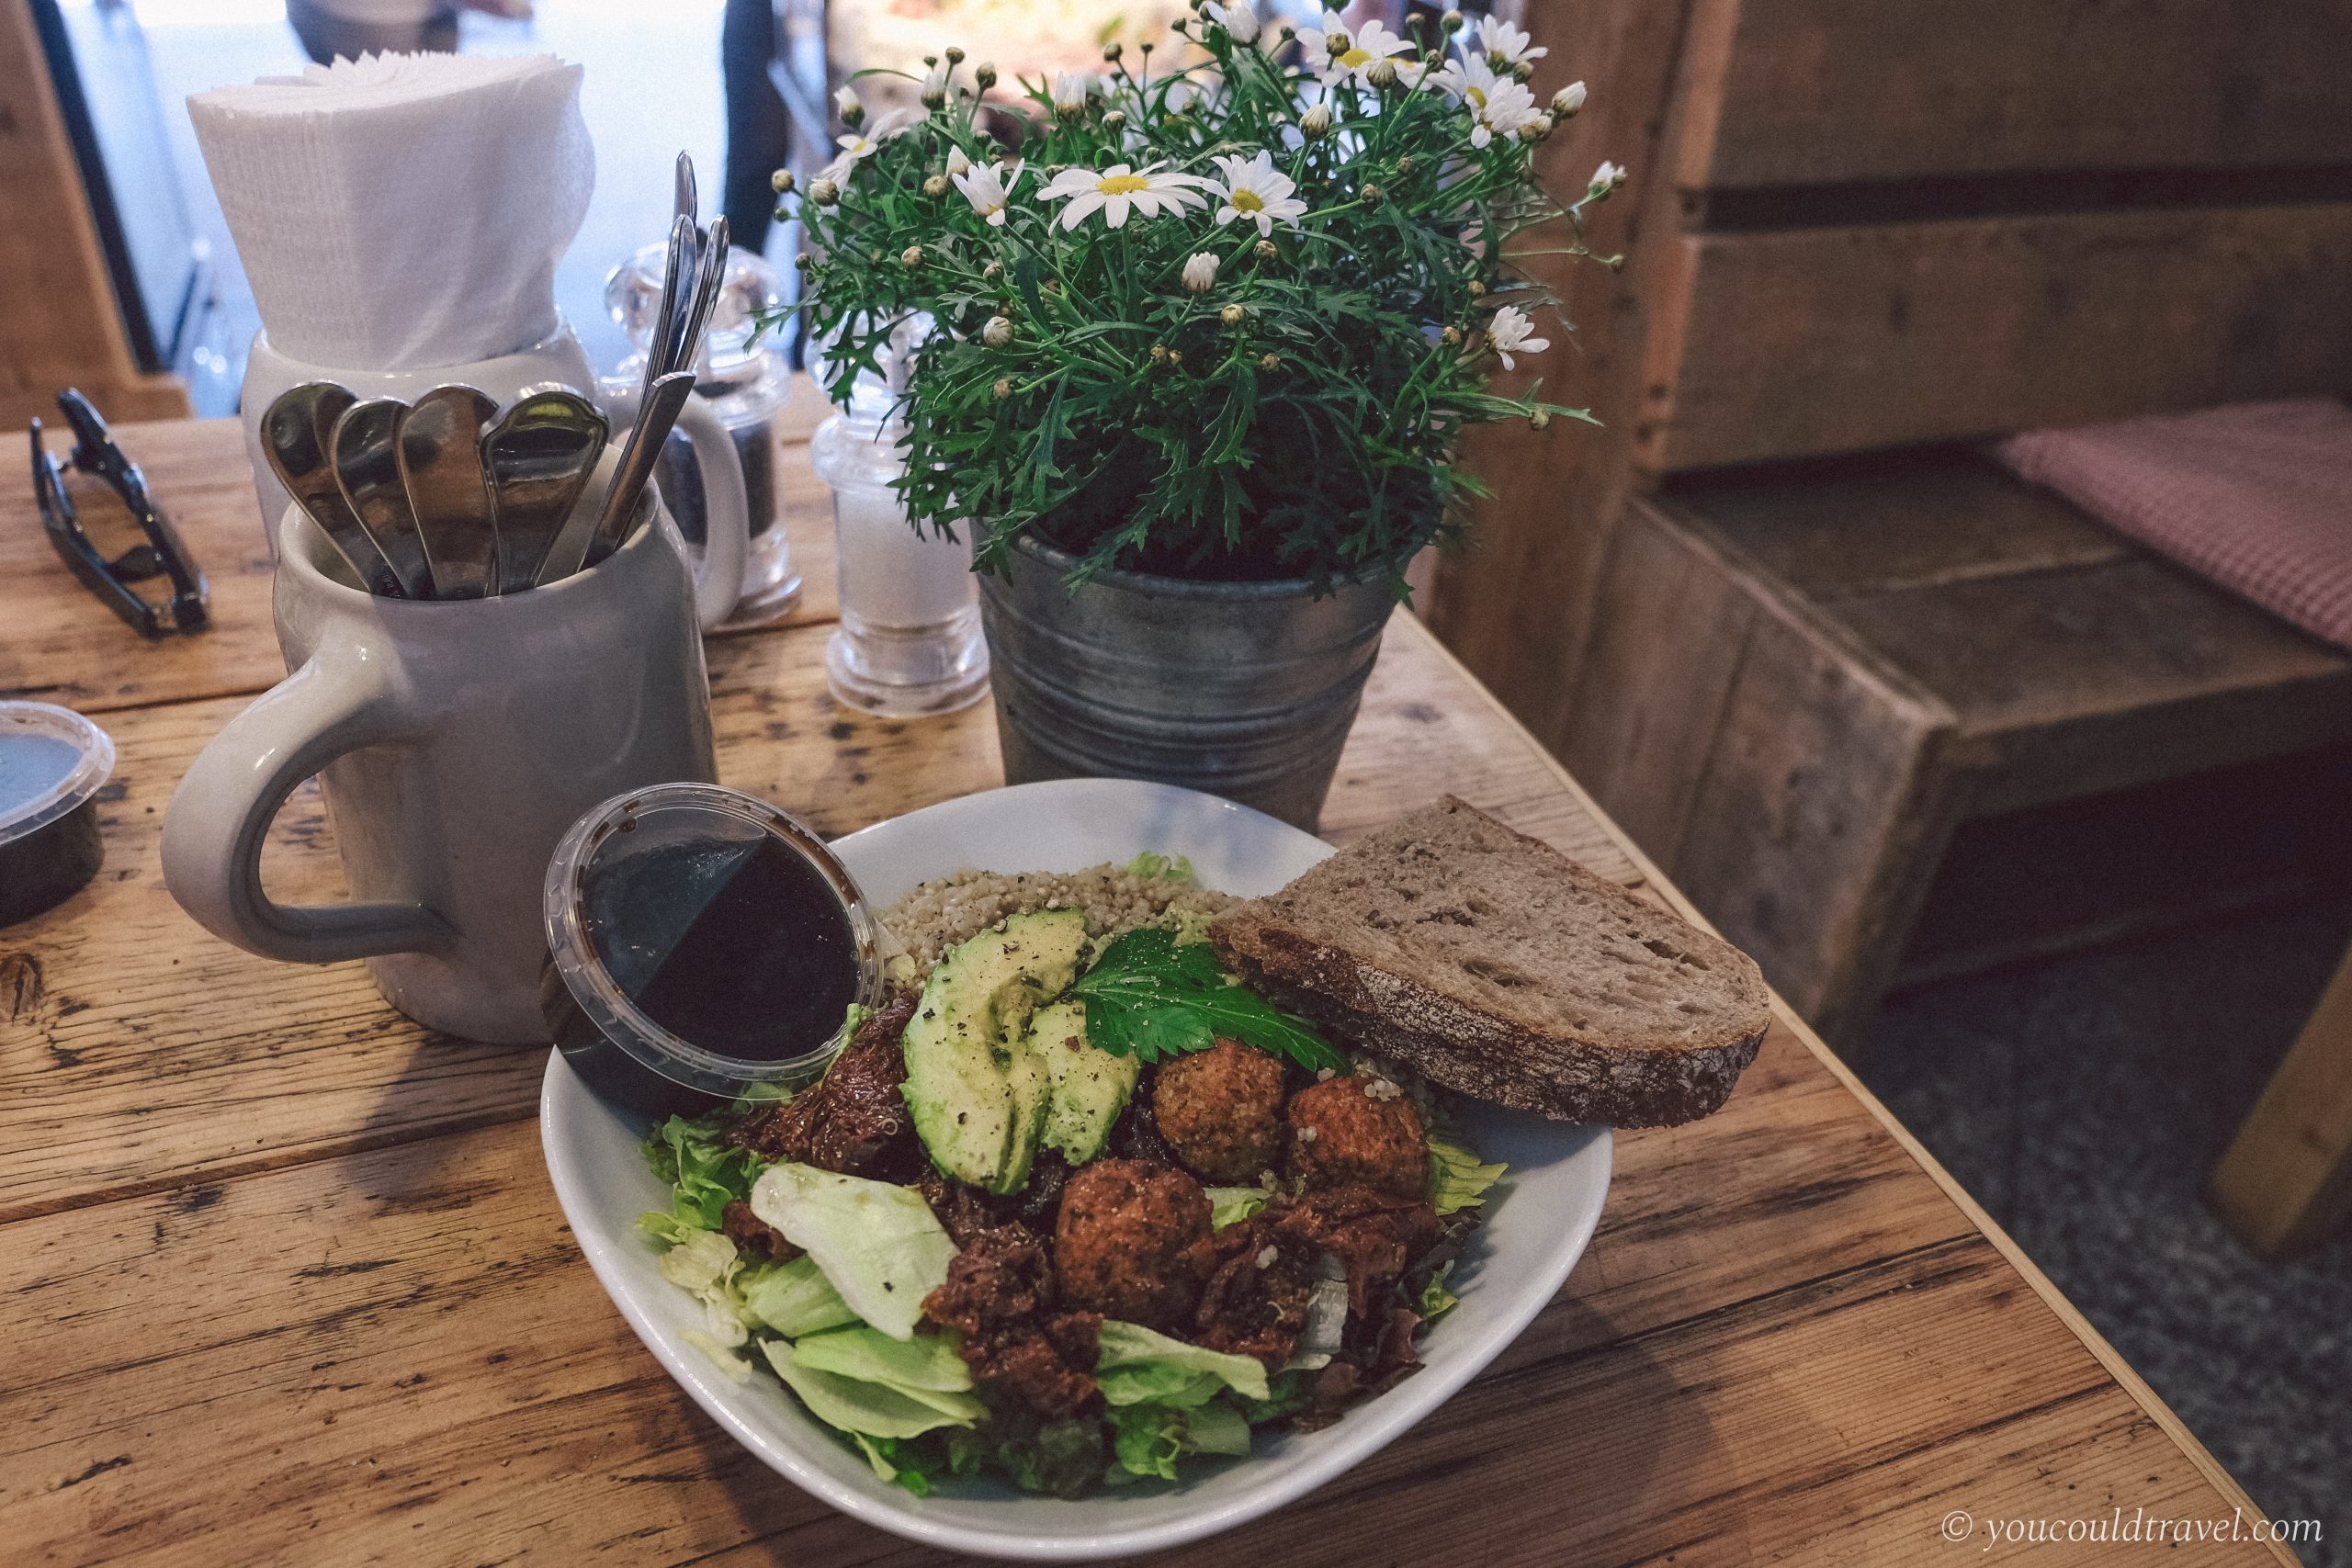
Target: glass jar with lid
x,y
747,380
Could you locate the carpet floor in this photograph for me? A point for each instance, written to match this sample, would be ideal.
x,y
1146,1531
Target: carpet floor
x,y
2082,1101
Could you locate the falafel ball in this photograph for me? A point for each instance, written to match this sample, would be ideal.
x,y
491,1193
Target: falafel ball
x,y
1220,1110
1358,1129
1133,1242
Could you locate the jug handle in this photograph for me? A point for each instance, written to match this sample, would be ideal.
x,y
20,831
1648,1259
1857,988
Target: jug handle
x,y
726,537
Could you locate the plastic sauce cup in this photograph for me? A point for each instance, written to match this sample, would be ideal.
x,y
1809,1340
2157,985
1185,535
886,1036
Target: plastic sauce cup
x,y
53,763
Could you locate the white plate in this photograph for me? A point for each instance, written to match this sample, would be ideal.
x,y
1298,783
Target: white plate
x,y
1537,1220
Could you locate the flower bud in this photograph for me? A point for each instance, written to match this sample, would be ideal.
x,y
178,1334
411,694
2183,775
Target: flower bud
x,y
1200,271
1159,354
991,272
935,187
1524,71
782,213
805,262
911,257
1003,389
1451,21
1383,74
1606,178
1538,420
929,60
845,104
997,332
1116,121
1338,43
1113,50
824,193
1316,123
1451,336
780,182
1270,362
1477,289
957,164
985,74
1373,196
1233,315
1567,100
1265,250
1536,130
954,55
1175,357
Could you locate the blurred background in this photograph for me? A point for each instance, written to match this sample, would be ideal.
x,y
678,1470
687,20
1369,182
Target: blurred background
x,y
2011,731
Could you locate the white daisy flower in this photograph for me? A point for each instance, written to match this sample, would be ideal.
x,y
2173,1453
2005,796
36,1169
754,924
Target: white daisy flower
x,y
957,162
1354,56
1509,105
988,189
1240,19
1512,333
1606,178
860,144
1569,99
1505,45
1200,271
933,90
846,105
1071,89
1468,81
1255,190
1119,190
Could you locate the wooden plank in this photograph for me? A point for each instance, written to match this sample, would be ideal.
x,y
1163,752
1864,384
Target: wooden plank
x,y
92,1019
58,321
64,647
2285,1183
1821,92
1808,342
2091,679
1516,605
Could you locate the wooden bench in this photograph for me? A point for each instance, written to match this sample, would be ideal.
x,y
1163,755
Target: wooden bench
x,y
1804,685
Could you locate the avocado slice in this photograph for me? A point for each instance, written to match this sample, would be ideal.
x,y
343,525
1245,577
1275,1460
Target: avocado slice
x,y
1090,1086
977,1091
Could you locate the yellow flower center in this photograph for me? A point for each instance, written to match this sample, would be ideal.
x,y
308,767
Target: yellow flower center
x,y
1248,201
1121,185
1355,57
1478,96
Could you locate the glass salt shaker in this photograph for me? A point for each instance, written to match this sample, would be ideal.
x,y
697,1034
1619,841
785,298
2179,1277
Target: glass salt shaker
x,y
908,641
747,385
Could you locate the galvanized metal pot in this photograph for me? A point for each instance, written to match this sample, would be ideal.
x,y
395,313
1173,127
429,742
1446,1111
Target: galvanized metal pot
x,y
1242,689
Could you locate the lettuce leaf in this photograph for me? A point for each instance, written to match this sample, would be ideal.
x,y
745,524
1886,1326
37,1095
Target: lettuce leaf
x,y
873,1409
793,1297
1435,1299
703,1171
879,1243
1135,1366
1149,1438
928,1362
1151,865
1457,1178
1294,1391
1231,1205
905,1462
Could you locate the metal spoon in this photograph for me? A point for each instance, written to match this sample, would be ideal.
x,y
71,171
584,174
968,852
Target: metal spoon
x,y
539,457
678,270
703,298
368,466
440,459
297,438
688,205
657,412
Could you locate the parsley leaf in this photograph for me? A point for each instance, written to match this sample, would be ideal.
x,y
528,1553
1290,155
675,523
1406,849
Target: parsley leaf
x,y
1152,997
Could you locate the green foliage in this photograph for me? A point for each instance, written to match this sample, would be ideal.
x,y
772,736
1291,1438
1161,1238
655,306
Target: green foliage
x,y
1295,410
1153,997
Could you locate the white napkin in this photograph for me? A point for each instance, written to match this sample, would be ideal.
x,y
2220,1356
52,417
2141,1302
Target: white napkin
x,y
401,211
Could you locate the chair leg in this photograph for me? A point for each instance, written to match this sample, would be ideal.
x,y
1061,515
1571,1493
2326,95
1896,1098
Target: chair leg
x,y
2286,1182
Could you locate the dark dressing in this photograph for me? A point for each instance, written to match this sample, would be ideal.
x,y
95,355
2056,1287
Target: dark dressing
x,y
743,949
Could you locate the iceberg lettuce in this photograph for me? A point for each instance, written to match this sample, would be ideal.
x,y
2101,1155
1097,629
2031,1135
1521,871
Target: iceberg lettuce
x,y
1135,1365
879,1243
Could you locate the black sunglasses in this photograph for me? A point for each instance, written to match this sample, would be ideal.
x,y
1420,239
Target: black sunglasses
x,y
161,555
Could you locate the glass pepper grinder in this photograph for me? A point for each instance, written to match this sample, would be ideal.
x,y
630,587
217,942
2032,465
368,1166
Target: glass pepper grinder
x,y
908,640
747,385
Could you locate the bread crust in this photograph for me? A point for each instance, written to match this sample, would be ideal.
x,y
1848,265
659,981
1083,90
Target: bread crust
x,y
1551,1071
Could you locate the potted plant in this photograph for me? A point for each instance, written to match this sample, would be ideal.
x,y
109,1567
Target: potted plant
x,y
1207,336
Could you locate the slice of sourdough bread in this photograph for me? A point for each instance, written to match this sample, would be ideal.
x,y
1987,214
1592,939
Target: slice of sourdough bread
x,y
1501,969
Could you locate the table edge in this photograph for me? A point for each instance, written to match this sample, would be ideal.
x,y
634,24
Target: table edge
x,y
2121,1370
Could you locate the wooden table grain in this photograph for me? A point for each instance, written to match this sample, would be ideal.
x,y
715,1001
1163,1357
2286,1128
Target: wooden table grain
x,y
287,1282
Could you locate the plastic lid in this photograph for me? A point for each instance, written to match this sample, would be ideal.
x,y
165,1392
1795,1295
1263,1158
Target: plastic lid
x,y
711,937
51,760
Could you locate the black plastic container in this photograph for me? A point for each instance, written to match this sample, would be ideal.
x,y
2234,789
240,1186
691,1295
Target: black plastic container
x,y
701,944
53,763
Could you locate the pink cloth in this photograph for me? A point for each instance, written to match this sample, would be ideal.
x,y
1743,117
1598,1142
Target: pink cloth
x,y
2255,496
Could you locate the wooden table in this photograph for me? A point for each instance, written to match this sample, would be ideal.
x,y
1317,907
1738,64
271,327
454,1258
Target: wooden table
x,y
287,1282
